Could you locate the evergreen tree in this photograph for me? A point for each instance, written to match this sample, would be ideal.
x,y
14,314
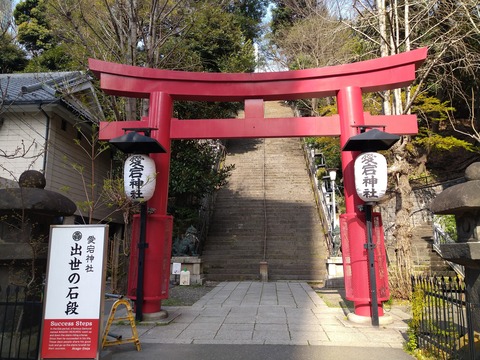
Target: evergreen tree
x,y
12,58
32,26
207,36
250,14
46,51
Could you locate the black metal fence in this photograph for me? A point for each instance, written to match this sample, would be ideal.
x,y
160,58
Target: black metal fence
x,y
20,323
442,317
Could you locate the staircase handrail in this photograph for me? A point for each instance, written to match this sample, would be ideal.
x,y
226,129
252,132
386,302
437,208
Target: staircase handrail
x,y
440,237
320,199
445,179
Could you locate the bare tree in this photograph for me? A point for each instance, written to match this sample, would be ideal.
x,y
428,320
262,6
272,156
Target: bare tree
x,y
24,150
447,28
317,39
132,32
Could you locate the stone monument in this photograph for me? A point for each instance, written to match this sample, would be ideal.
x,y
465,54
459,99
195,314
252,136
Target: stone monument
x,y
463,201
26,213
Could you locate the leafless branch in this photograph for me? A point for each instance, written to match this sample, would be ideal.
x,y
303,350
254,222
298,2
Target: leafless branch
x,y
21,151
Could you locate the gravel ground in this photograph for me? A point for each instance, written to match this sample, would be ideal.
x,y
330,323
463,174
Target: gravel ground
x,y
187,295
334,297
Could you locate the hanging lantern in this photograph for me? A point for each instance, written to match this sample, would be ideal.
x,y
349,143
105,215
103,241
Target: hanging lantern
x,y
139,177
371,176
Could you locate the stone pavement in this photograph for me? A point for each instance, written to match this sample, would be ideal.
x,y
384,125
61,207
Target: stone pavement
x,y
273,313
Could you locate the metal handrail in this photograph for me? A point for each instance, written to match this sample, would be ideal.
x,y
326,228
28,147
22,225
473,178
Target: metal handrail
x,y
320,198
441,237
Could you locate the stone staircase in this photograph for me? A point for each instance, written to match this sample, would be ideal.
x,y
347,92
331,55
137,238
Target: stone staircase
x,y
425,259
267,212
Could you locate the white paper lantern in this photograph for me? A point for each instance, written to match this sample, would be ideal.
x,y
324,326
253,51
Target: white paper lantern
x,y
371,176
139,177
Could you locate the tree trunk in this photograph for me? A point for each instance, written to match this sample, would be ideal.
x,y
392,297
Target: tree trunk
x,y
382,30
403,228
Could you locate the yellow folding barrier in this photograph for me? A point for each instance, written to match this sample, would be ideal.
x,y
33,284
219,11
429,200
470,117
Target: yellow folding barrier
x,y
119,338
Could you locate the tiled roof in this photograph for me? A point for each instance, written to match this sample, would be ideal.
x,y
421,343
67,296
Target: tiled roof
x,y
34,88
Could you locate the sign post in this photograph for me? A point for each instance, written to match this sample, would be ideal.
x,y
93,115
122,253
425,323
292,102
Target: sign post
x,y
74,292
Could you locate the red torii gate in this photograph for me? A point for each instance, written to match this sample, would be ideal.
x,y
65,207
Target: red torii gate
x,y
346,82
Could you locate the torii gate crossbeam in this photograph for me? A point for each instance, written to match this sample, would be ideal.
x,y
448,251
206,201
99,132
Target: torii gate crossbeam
x,y
371,75
260,127
346,82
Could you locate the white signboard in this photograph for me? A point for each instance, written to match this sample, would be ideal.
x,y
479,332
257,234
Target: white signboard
x,y
74,292
176,268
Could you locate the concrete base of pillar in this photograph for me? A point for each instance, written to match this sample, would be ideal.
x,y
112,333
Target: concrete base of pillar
x,y
162,314
357,319
264,271
335,277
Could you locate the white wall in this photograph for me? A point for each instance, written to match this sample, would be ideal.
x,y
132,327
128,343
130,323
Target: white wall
x,y
30,127
24,134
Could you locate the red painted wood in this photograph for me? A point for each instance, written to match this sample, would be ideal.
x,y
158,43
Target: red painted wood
x,y
282,127
372,75
262,127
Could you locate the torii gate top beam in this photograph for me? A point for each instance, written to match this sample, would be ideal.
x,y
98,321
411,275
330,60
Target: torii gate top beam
x,y
372,75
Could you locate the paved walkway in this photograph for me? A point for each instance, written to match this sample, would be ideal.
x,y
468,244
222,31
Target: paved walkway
x,y
256,313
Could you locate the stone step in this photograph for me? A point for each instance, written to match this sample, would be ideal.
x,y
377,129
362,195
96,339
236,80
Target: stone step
x,y
282,261
220,277
425,259
278,273
255,266
241,252
269,192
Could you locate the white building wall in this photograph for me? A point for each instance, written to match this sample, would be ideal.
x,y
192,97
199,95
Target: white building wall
x,y
31,130
22,142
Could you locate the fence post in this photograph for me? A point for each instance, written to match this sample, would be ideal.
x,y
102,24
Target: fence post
x,y
20,319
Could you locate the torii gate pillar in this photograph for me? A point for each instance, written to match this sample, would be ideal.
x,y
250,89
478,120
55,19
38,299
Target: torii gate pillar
x,y
350,110
346,82
159,224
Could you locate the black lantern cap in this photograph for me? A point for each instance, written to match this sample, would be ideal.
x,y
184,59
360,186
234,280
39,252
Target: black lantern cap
x,y
372,140
135,143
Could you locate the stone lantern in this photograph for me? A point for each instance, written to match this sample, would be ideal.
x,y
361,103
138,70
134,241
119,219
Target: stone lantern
x,y
26,213
463,201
